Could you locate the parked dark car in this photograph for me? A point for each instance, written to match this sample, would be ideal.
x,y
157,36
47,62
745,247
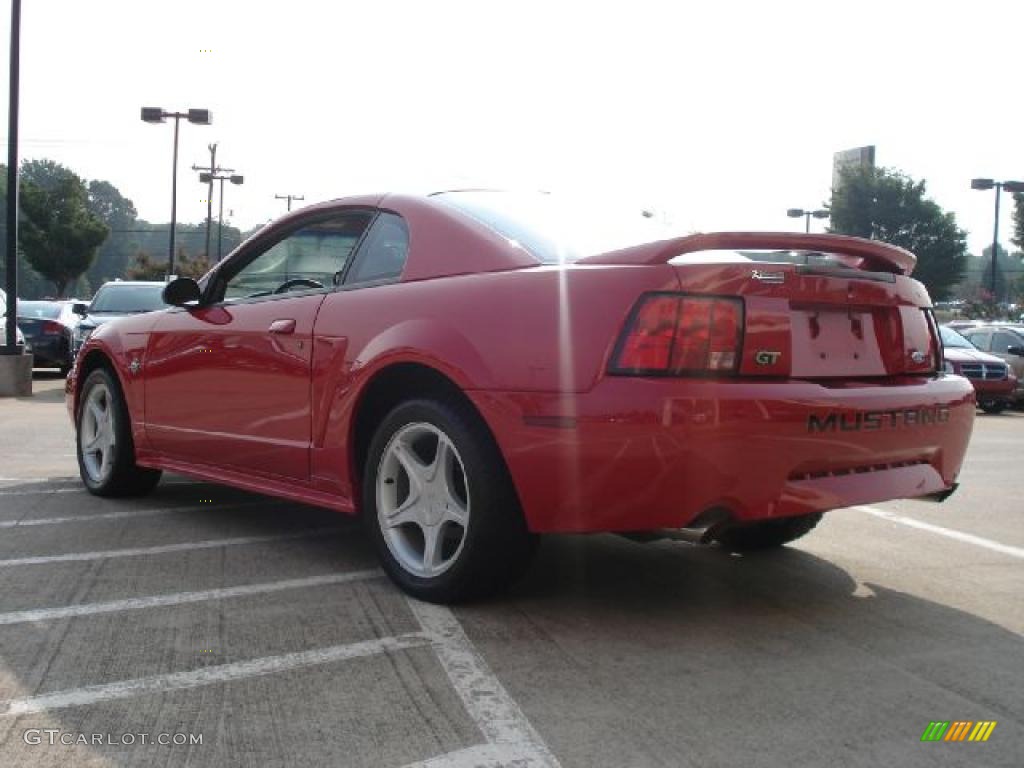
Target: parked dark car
x,y
48,327
119,298
994,383
1005,341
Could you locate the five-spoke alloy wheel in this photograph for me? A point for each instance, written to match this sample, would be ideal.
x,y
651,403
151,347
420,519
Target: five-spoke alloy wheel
x,y
439,504
106,453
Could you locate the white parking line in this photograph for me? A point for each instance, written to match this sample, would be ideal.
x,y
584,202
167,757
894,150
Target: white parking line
x,y
511,739
180,598
221,673
967,538
129,513
158,550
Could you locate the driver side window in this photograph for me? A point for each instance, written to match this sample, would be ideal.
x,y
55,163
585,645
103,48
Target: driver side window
x,y
311,258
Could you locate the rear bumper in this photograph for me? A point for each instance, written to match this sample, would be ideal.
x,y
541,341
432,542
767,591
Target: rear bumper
x,y
639,454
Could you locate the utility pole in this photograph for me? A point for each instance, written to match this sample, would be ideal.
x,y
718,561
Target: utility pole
x,y
209,194
209,178
289,198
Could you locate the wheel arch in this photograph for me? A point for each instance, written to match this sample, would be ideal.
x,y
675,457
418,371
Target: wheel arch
x,y
392,384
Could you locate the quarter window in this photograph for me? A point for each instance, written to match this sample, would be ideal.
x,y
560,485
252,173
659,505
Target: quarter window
x,y
382,255
312,258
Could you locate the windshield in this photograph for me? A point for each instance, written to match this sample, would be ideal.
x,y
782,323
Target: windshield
x,y
557,229
40,309
952,339
128,298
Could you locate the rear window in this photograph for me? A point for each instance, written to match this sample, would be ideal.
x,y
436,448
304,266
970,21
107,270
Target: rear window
x,y
128,298
40,309
558,229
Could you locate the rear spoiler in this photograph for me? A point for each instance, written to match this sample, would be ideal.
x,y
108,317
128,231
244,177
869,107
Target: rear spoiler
x,y
856,252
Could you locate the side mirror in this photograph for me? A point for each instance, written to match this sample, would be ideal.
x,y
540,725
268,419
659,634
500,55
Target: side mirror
x,y
79,308
182,292
1018,351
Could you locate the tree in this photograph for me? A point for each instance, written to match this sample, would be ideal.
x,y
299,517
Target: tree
x,y
1018,220
148,268
884,204
59,234
118,213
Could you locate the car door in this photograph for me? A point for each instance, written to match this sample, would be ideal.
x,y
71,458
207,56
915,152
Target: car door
x,y
228,384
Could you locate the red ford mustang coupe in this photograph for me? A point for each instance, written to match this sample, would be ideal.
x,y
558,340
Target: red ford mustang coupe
x,y
470,369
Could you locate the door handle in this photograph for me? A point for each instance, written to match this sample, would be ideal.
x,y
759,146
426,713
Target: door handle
x,y
282,326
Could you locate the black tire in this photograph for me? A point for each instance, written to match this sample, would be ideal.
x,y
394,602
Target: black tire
x,y
123,477
768,534
495,547
993,406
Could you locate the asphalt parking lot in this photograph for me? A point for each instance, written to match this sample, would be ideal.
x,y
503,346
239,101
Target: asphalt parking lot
x,y
266,629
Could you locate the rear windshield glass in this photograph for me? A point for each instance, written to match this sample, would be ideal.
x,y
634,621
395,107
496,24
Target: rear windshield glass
x,y
127,298
558,229
41,309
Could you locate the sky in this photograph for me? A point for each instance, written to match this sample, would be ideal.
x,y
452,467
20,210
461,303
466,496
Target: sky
x,y
718,115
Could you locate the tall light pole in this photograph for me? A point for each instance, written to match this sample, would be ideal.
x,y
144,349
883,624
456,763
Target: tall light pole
x,y
209,178
158,115
289,198
10,345
1009,186
796,213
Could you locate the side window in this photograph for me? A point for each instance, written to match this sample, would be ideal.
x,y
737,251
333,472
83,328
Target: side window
x,y
382,255
310,258
980,339
1001,342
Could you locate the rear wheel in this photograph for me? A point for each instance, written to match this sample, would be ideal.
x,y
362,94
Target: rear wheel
x,y
440,506
767,534
106,453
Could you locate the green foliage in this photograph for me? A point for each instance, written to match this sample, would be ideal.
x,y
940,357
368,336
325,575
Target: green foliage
x,y
1018,220
59,235
884,204
146,267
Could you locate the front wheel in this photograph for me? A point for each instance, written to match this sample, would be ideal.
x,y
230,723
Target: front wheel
x,y
106,454
439,505
767,534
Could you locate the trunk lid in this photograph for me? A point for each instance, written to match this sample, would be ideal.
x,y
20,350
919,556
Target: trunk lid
x,y
854,313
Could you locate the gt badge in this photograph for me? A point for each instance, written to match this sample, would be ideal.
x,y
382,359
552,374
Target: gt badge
x,y
766,357
134,365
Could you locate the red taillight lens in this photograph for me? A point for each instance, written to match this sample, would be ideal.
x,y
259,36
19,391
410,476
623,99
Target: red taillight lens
x,y
672,334
648,344
51,328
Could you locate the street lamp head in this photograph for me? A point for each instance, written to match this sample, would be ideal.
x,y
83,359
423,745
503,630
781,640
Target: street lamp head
x,y
205,178
820,214
152,115
237,179
982,183
1013,186
200,116
795,213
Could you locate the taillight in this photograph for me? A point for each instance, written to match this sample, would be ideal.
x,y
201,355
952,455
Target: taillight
x,y
51,328
674,334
